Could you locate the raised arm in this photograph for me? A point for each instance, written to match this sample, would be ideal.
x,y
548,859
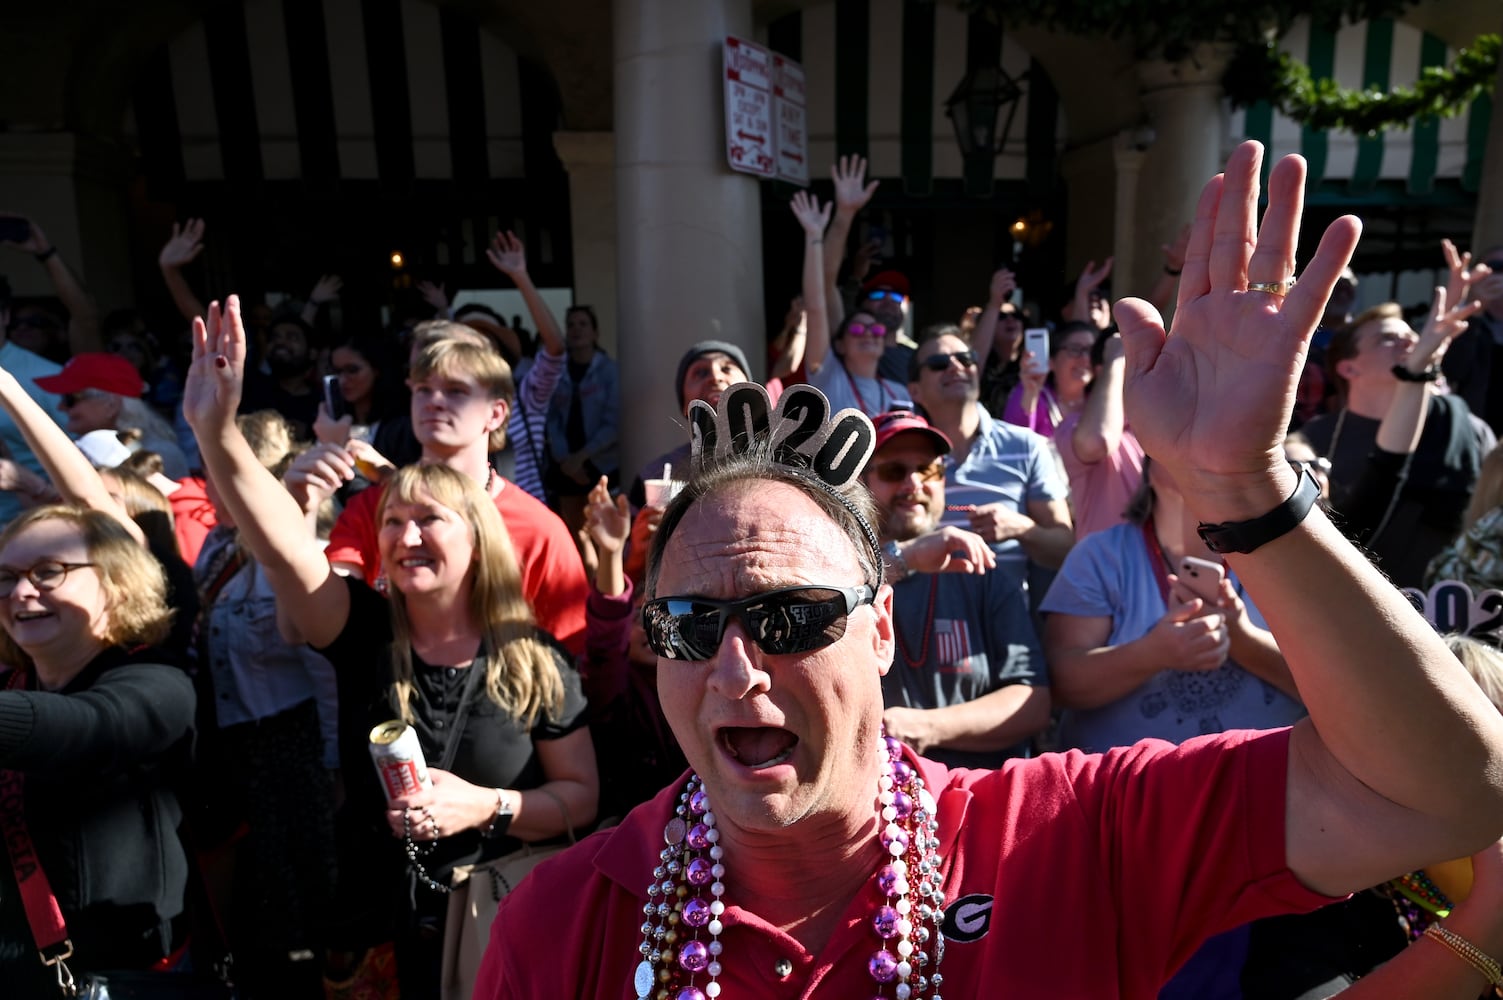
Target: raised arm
x,y
813,219
270,520
1210,401
1162,293
1102,422
793,341
185,244
508,255
851,195
69,469
1403,422
83,314
1085,288
1004,282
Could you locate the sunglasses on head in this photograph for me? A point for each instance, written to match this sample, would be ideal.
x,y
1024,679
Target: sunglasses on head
x,y
787,621
866,330
939,362
897,472
883,293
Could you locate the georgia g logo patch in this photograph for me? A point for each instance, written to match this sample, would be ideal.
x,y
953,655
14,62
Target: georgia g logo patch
x,y
968,919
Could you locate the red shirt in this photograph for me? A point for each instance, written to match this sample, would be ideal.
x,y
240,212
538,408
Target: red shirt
x,y
553,578
193,517
1106,871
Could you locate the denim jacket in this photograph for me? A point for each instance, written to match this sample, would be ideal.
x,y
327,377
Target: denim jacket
x,y
600,399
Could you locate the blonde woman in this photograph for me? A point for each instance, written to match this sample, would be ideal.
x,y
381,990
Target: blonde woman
x,y
522,765
1476,556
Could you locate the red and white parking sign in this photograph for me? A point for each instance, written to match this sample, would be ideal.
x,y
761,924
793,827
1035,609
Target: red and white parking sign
x,y
750,144
789,113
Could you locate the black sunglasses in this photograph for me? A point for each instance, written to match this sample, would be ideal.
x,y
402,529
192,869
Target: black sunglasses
x,y
939,362
786,621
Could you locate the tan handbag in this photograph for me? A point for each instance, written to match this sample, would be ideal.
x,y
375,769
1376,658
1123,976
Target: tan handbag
x,y
478,891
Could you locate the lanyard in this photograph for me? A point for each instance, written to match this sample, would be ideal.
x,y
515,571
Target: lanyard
x,y
48,929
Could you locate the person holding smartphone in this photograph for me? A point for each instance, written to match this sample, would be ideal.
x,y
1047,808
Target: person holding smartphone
x,y
1138,648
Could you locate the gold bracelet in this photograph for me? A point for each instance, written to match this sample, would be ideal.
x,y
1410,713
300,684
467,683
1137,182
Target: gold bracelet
x,y
1468,953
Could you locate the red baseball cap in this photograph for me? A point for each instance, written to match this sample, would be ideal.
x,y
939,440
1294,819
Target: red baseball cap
x,y
892,280
894,422
95,370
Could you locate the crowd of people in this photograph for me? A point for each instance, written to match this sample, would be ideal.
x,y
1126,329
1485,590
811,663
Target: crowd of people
x,y
960,630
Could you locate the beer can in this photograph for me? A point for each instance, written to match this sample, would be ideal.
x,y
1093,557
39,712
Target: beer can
x,y
399,759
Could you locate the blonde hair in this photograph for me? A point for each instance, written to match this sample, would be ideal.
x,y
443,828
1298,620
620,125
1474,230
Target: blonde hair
x,y
453,357
1488,493
135,588
146,505
270,438
521,672
1483,661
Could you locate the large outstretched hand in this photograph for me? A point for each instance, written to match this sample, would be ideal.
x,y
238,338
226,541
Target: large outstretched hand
x,y
211,393
1211,398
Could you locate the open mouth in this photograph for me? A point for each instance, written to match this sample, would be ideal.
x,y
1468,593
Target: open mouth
x,y
31,616
757,746
414,563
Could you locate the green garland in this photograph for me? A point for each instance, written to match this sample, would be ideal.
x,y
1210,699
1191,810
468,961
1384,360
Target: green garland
x,y
1265,73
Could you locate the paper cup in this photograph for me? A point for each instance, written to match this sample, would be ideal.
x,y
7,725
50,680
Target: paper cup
x,y
659,491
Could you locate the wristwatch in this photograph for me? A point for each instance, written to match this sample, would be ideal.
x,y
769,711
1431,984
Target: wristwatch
x,y
502,820
900,570
1245,536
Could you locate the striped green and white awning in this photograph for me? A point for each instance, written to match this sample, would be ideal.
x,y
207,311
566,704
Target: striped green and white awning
x,y
1397,164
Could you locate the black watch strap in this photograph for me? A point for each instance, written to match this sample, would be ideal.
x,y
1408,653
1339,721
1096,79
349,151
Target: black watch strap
x,y
1245,536
1403,374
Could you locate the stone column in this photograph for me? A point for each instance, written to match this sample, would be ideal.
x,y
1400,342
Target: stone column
x,y
1128,157
1182,101
71,186
1487,230
590,159
689,252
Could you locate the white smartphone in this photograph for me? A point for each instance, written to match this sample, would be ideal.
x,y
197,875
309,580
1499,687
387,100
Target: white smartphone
x,y
1036,341
1203,577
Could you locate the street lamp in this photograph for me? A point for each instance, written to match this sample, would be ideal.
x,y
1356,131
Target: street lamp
x,y
976,106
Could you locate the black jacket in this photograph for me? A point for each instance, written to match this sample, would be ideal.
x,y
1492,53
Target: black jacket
x,y
98,761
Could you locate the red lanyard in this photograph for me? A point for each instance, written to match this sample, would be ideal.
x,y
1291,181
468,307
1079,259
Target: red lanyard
x,y
42,912
1156,559
881,393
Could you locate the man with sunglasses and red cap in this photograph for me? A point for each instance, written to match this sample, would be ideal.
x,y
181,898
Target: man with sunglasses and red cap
x,y
968,686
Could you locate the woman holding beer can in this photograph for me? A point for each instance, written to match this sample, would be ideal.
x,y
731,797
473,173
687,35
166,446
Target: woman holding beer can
x,y
451,656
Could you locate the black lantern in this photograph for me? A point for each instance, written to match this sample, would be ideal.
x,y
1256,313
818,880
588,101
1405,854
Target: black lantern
x,y
976,107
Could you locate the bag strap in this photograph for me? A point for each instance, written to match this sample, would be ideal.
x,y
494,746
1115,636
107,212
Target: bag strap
x,y
45,917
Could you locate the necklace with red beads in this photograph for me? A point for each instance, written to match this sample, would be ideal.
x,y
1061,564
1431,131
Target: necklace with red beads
x,y
682,953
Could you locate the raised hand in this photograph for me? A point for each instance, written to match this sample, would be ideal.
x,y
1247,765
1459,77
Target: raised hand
x,y
851,196
1004,283
326,289
211,393
435,295
1174,253
1442,326
186,243
508,255
1211,398
35,241
607,520
807,211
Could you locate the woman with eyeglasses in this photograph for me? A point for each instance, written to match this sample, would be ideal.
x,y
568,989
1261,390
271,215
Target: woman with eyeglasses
x,y
1047,394
452,650
95,724
844,367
